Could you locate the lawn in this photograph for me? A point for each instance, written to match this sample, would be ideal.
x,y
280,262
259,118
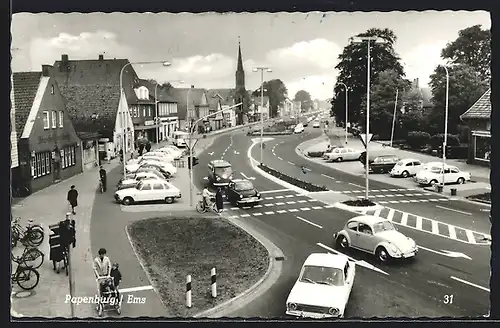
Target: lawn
x,y
486,197
172,248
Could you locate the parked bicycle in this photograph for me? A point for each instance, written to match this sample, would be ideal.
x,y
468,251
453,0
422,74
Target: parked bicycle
x,y
26,277
31,257
31,235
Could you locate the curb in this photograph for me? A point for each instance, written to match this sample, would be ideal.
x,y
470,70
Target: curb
x,y
143,267
261,286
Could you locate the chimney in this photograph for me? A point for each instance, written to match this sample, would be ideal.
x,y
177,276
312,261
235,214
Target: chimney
x,y
101,57
64,58
64,66
46,70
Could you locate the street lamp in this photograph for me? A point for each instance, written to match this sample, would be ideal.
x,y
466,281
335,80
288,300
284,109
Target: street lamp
x,y
394,116
445,141
261,69
191,149
359,40
346,107
123,120
156,108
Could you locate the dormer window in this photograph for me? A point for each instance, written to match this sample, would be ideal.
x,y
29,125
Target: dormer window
x,y
142,93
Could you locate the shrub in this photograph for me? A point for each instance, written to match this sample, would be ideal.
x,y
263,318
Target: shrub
x,y
436,141
315,153
417,139
291,180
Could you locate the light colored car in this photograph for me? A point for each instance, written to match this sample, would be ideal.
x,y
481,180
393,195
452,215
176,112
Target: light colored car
x,y
299,128
148,190
316,124
406,167
323,287
170,156
165,166
375,235
434,175
175,153
429,165
343,154
133,181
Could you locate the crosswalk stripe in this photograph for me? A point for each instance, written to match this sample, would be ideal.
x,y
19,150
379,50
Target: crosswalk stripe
x,y
245,215
302,201
278,197
317,207
269,205
413,201
398,195
235,208
419,223
435,228
312,200
390,214
470,236
280,203
329,206
305,209
257,214
377,212
269,198
268,213
293,210
383,202
404,219
291,202
393,201
281,211
289,196
405,201
258,206
453,233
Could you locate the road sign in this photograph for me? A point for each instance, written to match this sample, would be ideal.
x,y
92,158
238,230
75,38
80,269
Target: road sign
x,y
363,137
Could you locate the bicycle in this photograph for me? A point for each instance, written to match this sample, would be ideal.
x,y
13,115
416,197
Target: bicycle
x,y
31,235
202,208
23,275
29,258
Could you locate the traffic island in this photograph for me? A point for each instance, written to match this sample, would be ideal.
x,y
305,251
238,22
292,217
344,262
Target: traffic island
x,y
291,180
484,198
170,249
358,205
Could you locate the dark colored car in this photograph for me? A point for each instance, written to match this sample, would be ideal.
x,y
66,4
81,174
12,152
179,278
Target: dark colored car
x,y
379,163
242,192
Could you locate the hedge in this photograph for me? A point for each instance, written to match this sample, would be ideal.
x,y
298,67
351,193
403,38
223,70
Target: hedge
x,y
291,180
436,141
417,139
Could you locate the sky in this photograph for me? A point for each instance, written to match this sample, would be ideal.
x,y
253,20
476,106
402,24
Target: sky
x,y
301,48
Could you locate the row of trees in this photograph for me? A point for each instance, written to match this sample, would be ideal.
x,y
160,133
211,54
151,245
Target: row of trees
x,y
468,62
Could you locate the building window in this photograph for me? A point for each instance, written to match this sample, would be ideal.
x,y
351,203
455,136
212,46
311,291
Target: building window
x,y
41,165
46,120
61,118
482,148
143,112
54,119
149,111
52,89
68,157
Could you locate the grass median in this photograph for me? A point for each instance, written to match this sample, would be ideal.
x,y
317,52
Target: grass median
x,y
172,248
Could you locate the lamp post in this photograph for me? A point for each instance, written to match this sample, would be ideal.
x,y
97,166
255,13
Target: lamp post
x,y
445,141
394,116
261,69
191,148
346,107
359,40
123,118
156,109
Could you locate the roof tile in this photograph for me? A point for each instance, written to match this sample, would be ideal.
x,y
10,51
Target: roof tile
x,y
480,109
25,86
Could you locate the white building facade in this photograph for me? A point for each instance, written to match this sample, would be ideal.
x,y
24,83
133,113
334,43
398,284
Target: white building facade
x,y
123,127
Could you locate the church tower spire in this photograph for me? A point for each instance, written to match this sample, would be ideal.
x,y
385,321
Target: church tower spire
x,y
240,60
240,89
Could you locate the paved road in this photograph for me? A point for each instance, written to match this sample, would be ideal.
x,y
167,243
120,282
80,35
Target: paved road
x,y
416,288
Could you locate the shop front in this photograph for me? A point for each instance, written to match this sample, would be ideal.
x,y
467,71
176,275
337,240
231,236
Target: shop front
x,y
482,146
167,127
148,130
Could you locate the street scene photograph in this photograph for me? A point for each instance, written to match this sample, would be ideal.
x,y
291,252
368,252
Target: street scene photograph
x,y
284,166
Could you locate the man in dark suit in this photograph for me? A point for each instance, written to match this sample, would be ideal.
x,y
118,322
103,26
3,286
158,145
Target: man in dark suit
x,y
73,198
103,176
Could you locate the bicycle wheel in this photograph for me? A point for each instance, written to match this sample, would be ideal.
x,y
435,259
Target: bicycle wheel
x,y
35,236
32,257
200,208
27,278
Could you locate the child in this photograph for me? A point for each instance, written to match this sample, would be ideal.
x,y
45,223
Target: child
x,y
116,275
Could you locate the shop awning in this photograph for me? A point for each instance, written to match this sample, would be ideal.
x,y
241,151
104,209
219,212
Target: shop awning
x,y
145,127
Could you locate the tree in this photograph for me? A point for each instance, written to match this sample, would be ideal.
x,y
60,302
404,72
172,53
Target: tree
x,y
276,91
465,87
352,68
305,99
472,48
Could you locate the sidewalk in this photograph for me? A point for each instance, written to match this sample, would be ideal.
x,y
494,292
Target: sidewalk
x,y
49,206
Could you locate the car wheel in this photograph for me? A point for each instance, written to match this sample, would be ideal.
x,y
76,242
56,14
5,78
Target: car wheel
x,y
405,174
339,159
128,201
382,254
342,242
433,182
461,181
169,200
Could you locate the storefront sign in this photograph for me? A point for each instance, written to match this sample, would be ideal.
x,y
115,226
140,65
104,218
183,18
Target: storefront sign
x,y
148,123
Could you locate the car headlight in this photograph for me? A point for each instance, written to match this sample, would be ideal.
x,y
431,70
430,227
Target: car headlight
x,y
394,249
333,311
241,196
292,306
217,178
413,243
258,194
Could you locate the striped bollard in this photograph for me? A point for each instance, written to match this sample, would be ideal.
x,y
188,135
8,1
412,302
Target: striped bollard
x,y
214,282
188,291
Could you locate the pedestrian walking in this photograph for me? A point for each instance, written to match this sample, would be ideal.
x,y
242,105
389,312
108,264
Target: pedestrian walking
x,y
219,200
73,198
103,176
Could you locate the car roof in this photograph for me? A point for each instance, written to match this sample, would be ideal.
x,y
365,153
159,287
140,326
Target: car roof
x,y
326,259
368,219
219,163
406,160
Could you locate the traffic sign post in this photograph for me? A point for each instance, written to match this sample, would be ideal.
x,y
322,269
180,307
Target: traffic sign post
x,y
363,138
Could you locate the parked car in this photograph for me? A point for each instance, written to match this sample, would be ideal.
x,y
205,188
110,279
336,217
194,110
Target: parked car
x,y
382,163
130,182
429,165
341,154
299,128
316,124
434,175
329,149
148,190
406,167
323,287
242,192
167,157
164,167
375,235
175,153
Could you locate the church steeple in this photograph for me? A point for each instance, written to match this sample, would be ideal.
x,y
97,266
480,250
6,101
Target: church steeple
x,y
240,61
240,90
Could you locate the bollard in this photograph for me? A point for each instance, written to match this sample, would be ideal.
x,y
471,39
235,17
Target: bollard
x,y
453,191
188,291
214,282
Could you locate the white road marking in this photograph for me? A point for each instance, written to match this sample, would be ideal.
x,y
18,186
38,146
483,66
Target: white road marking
x,y
453,233
258,206
383,202
272,191
329,206
388,195
470,236
235,208
268,198
268,213
290,163
311,223
257,214
279,158
303,201
393,201
404,219
305,209
327,176
419,223
234,217
281,211
411,189
390,215
384,190
338,181
377,212
405,201
246,207
347,192
393,189
135,289
453,210
435,228
355,185
317,207
470,283
289,196
278,197
312,200
443,199
245,215
398,195
357,191
413,200
279,204
292,210
268,205
290,202
379,196
375,190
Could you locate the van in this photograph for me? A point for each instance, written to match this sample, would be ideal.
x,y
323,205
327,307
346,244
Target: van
x,y
180,138
299,128
220,173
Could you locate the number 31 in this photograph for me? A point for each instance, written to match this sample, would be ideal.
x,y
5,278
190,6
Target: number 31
x,y
448,299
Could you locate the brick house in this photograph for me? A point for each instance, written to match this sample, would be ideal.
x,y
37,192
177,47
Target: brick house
x,y
478,118
192,104
48,146
92,92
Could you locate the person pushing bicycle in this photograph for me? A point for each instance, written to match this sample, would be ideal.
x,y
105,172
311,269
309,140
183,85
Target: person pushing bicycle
x,y
207,195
